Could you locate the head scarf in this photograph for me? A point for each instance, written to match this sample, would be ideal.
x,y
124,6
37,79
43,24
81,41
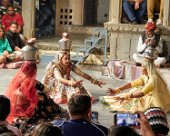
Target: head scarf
x,y
160,92
150,26
22,92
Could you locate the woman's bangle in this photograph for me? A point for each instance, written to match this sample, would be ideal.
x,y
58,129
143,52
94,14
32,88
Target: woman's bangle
x,y
94,81
117,90
129,96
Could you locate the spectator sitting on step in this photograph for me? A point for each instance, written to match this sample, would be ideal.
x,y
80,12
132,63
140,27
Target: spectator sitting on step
x,y
149,39
5,128
80,116
15,40
11,16
3,5
6,53
155,5
134,10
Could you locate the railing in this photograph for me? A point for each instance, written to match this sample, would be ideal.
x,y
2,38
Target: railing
x,y
90,43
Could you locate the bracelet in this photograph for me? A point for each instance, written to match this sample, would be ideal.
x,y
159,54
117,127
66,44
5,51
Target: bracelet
x,y
94,81
128,96
117,90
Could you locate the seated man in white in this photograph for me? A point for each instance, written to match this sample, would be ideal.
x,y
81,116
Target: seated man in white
x,y
149,39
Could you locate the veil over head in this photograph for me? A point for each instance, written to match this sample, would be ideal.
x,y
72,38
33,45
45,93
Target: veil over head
x,y
22,93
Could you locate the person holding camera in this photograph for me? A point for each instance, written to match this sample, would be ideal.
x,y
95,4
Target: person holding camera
x,y
149,90
145,128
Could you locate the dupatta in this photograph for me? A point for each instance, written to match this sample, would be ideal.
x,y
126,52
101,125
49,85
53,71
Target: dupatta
x,y
22,93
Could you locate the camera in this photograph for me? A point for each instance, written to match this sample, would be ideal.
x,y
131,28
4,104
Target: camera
x,y
126,119
94,117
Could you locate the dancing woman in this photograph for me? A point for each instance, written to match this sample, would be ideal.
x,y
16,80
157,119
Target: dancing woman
x,y
28,103
150,90
60,82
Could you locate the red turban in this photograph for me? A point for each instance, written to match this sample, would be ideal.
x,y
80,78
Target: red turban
x,y
150,26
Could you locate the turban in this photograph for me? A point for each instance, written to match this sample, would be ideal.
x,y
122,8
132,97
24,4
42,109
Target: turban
x,y
150,26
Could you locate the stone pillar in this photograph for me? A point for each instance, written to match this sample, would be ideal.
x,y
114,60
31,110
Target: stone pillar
x,y
28,13
166,16
77,6
115,11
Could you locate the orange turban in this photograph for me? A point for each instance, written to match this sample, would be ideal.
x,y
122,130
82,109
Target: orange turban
x,y
150,26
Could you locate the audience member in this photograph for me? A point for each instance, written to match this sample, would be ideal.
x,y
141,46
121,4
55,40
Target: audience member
x,y
11,16
14,39
144,128
158,121
155,5
6,54
5,128
79,123
149,39
4,4
134,10
46,130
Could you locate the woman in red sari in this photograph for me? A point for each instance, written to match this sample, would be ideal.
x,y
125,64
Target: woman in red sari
x,y
26,101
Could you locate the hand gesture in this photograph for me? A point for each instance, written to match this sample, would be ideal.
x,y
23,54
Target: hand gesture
x,y
111,92
147,41
77,83
100,83
136,6
121,98
144,125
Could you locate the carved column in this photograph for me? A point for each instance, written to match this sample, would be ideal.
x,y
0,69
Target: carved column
x,y
28,13
166,17
115,11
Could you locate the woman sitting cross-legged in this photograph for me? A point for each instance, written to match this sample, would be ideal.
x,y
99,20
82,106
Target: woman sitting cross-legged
x,y
151,90
28,105
59,81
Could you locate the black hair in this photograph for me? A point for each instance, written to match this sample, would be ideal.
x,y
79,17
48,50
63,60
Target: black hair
x,y
122,131
47,130
4,107
10,6
1,28
79,104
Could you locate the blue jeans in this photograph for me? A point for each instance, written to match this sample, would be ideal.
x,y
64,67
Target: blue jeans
x,y
134,15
